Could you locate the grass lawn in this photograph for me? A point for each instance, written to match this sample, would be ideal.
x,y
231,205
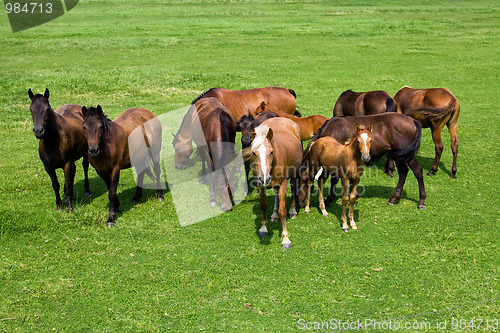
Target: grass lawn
x,y
67,272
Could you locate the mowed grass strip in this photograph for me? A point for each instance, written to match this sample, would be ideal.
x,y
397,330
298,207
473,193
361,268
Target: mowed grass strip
x,y
67,272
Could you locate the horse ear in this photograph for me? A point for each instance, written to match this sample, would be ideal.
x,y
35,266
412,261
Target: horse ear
x,y
370,128
262,105
99,109
46,93
270,134
356,127
84,111
30,94
252,133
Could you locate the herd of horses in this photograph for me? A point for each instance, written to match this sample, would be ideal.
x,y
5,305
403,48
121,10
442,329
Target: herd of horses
x,y
365,126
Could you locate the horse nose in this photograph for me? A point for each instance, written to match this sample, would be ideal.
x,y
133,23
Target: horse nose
x,y
366,157
39,132
263,180
93,151
246,139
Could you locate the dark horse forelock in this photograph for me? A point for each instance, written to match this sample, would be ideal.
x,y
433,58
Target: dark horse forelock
x,y
97,112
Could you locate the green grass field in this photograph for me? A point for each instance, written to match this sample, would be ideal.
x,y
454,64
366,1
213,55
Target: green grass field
x,y
67,272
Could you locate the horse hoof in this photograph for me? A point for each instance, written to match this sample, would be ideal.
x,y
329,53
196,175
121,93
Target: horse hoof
x,y
262,234
110,224
453,176
287,246
422,206
390,175
326,215
160,199
345,229
431,173
354,227
87,194
390,203
293,216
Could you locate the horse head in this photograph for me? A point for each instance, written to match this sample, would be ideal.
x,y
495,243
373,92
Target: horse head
x,y
364,140
40,109
95,125
262,154
183,150
244,125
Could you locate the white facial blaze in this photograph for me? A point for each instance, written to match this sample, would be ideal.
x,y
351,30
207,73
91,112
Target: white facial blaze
x,y
364,137
262,154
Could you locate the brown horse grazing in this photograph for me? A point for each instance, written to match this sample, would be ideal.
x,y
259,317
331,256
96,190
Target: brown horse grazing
x,y
308,125
62,142
393,133
352,103
211,126
433,108
276,154
240,102
338,160
110,149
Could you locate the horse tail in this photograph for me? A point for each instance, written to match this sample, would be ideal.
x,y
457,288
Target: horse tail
x,y
431,114
390,105
411,150
208,93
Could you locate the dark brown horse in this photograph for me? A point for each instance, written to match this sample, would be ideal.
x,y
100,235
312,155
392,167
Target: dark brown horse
x,y
211,126
112,149
62,142
433,108
240,102
352,103
308,125
276,154
393,133
327,157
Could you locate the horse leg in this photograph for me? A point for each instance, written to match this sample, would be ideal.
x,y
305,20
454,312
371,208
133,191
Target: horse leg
x,y
389,167
263,207
157,171
352,202
285,242
294,186
402,172
55,184
114,203
418,172
69,179
321,185
438,144
452,128
345,200
307,210
86,185
138,189
331,195
275,216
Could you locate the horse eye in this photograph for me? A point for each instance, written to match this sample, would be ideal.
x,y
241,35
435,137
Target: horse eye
x,y
254,154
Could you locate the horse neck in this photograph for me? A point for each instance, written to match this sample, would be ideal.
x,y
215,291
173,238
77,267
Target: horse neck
x,y
53,127
185,130
353,148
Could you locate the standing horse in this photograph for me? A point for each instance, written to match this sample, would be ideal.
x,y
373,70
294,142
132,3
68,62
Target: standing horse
x,y
239,102
62,142
433,108
352,103
211,126
276,154
338,160
111,149
393,133
308,125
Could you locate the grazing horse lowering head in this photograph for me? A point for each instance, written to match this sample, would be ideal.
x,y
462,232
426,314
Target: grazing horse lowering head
x,y
183,150
244,125
363,137
95,125
39,108
262,152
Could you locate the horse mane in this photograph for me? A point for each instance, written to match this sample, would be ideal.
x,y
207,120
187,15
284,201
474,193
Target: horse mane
x,y
92,111
260,135
205,94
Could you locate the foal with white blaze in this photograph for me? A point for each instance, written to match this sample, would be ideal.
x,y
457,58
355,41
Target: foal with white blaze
x,y
276,154
326,157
